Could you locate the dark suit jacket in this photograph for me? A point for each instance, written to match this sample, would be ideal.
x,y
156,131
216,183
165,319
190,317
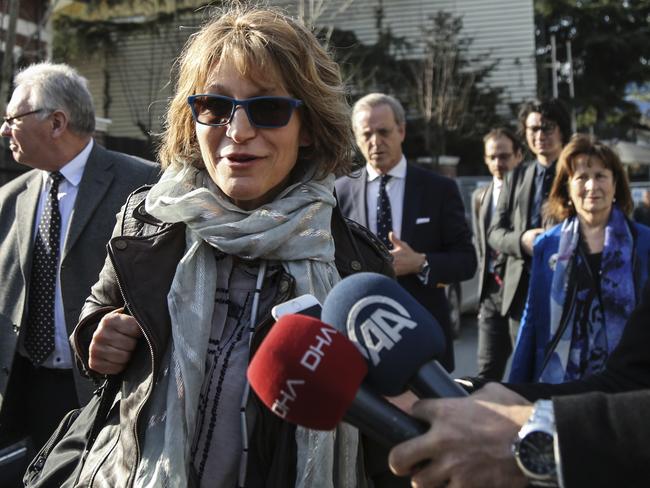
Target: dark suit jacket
x,y
445,238
604,439
108,179
509,222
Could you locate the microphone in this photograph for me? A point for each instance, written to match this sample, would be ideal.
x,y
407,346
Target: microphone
x,y
398,337
309,374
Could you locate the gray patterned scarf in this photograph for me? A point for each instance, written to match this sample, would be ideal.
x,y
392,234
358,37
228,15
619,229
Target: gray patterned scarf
x,y
293,229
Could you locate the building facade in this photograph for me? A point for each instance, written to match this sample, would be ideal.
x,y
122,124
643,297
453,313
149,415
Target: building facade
x,y
127,49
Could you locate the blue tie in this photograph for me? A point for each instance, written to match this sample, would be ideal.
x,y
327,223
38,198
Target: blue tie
x,y
39,339
384,215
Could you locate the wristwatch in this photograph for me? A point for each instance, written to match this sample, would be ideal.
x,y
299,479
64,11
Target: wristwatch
x,y
534,447
423,274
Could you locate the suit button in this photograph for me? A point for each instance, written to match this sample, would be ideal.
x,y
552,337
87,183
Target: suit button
x,y
120,245
355,265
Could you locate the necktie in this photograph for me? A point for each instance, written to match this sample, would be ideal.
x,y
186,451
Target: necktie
x,y
543,182
39,340
384,216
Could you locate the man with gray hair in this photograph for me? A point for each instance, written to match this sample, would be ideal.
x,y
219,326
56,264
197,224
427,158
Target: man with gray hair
x,y
417,214
55,221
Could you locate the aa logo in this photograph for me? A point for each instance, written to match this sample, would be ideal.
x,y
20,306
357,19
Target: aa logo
x,y
375,323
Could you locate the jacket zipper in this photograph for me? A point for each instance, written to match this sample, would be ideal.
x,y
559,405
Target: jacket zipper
x,y
37,464
145,334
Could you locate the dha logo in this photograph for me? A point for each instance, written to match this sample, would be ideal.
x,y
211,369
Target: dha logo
x,y
313,356
382,330
288,394
310,360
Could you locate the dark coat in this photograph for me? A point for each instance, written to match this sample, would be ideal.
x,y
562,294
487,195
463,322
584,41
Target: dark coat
x,y
510,221
604,439
108,179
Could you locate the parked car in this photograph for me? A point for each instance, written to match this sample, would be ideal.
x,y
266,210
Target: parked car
x,y
637,188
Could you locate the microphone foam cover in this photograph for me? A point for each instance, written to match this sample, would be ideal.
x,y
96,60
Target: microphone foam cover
x,y
306,372
392,330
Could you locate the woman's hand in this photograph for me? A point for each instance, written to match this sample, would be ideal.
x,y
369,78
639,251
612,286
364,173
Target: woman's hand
x,y
113,343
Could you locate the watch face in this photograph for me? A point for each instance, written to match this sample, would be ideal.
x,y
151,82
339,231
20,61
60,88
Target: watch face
x,y
536,453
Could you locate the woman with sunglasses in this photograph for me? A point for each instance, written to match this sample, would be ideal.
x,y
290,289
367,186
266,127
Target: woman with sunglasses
x,y
244,217
587,272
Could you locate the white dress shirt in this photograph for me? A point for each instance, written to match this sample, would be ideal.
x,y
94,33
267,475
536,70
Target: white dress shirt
x,y
395,191
496,191
68,189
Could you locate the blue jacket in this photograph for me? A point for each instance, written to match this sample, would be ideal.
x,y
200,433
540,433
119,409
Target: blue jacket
x,y
534,332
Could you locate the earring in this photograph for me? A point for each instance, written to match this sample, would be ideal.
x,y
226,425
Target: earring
x,y
614,200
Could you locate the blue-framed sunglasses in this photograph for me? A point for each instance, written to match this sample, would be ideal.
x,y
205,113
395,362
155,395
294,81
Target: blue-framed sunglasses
x,y
262,112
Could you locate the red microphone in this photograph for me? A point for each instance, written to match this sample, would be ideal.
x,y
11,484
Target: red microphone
x,y
311,375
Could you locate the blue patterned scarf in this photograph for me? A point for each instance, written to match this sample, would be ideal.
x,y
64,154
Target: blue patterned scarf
x,y
582,352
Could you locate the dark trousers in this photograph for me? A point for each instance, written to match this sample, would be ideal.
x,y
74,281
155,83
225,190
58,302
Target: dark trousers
x,y
516,311
494,341
36,400
517,306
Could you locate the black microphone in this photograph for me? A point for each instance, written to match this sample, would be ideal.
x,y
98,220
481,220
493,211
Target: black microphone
x,y
309,374
398,337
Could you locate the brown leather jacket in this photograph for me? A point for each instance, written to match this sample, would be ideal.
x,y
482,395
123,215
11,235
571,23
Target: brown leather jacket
x,y
141,262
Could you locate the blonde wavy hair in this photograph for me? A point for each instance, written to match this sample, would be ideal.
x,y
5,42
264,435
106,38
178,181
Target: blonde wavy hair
x,y
262,41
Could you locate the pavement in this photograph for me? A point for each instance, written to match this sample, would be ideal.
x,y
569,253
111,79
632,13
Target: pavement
x,y
465,348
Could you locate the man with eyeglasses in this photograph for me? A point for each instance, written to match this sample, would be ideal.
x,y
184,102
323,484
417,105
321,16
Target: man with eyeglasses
x,y
55,221
519,219
502,153
417,214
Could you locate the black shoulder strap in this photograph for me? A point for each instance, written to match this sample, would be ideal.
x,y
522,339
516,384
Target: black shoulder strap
x,y
135,214
108,392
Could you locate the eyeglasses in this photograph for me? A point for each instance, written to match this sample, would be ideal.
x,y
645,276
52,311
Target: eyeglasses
x,y
262,112
546,127
499,156
10,120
